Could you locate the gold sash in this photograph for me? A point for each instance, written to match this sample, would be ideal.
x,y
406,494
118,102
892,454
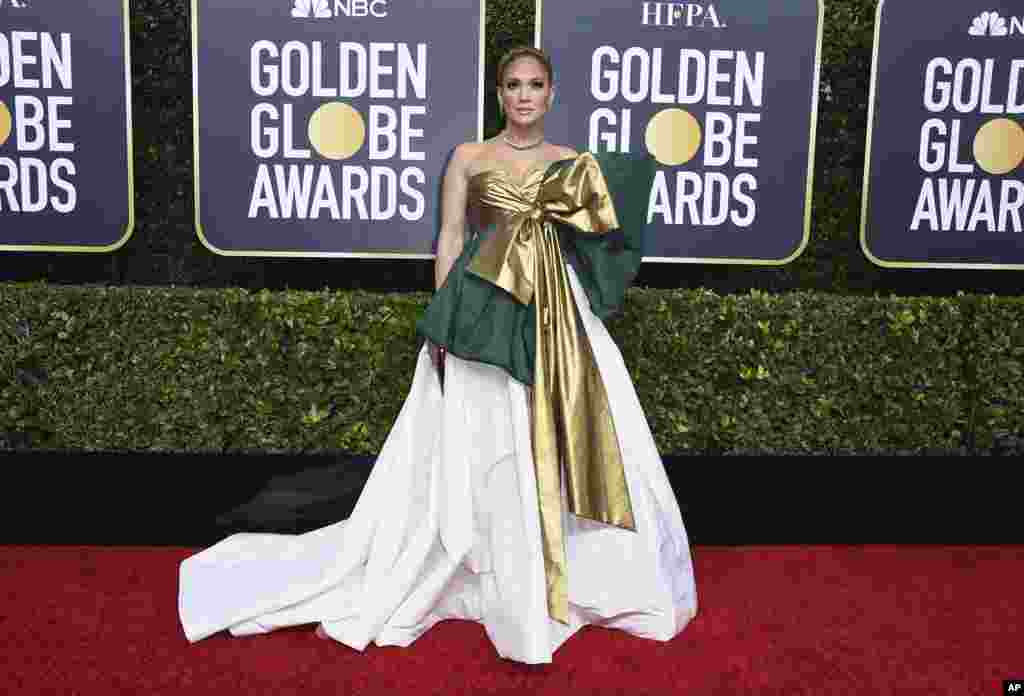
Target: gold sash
x,y
571,420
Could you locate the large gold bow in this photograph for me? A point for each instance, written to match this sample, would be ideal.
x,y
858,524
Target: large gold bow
x,y
571,419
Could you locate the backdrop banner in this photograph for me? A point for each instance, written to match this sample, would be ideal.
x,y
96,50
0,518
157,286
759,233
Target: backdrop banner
x,y
723,95
65,126
323,127
942,185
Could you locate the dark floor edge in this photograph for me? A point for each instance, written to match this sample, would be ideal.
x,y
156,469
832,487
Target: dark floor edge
x,y
195,499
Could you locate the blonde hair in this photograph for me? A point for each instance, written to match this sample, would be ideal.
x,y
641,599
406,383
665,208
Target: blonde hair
x,y
525,52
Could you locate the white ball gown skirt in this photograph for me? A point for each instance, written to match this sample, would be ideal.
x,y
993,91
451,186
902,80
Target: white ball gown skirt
x,y
447,527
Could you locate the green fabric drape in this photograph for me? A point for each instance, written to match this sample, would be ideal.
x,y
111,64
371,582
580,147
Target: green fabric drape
x,y
476,320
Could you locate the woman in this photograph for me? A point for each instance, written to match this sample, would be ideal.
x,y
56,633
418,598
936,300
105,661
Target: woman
x,y
520,486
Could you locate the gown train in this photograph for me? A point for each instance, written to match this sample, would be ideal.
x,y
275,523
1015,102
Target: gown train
x,y
447,527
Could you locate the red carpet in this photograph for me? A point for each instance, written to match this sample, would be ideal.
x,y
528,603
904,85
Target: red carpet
x,y
821,620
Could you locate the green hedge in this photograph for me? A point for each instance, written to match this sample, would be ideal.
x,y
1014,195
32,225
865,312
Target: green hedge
x,y
166,368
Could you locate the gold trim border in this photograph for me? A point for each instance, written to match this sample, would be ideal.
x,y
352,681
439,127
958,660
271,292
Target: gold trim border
x,y
130,153
809,192
865,193
306,254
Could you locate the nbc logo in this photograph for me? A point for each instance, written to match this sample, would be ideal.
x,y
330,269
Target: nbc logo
x,y
311,8
993,24
325,9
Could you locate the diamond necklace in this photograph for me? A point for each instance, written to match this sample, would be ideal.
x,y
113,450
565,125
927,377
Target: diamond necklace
x,y
504,136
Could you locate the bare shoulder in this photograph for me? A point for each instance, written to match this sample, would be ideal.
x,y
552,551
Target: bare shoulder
x,y
463,155
467,152
479,155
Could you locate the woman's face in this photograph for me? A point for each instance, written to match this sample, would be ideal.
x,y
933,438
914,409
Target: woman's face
x,y
525,92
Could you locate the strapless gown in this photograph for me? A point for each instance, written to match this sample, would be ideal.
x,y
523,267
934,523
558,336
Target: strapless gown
x,y
447,525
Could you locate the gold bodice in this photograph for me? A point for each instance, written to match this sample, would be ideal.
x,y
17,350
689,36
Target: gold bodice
x,y
495,194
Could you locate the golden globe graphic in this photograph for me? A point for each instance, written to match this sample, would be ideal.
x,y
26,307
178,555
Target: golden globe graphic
x,y
5,123
65,138
673,136
967,88
999,146
716,93
33,177
323,126
945,143
335,130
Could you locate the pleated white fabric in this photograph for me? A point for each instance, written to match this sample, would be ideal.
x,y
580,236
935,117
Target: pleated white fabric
x,y
447,527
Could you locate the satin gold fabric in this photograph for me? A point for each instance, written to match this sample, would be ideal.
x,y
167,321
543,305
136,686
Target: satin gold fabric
x,y
572,427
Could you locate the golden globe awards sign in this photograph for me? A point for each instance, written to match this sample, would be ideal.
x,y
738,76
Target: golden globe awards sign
x,y
323,126
942,179
65,131
722,94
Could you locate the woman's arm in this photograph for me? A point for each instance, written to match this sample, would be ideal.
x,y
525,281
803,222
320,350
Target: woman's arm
x,y
453,212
